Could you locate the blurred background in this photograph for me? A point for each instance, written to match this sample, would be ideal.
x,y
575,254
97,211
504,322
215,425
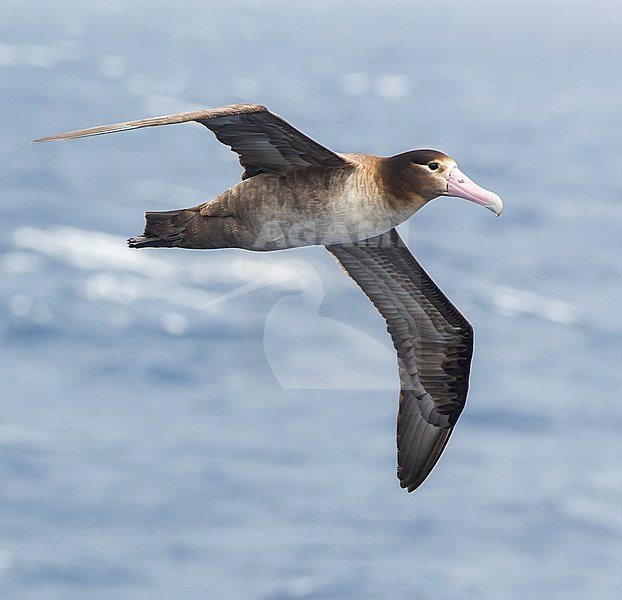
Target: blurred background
x,y
183,424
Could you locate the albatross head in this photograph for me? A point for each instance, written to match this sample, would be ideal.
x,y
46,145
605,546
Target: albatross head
x,y
436,174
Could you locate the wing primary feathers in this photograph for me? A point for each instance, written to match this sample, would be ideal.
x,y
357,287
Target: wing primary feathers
x,y
265,142
433,341
184,117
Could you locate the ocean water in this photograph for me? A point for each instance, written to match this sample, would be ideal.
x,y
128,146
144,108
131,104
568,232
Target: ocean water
x,y
197,425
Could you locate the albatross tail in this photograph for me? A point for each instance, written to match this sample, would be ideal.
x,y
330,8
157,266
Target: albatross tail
x,y
166,229
189,228
185,228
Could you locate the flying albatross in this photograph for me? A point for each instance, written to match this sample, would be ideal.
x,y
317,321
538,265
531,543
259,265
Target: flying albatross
x,y
295,192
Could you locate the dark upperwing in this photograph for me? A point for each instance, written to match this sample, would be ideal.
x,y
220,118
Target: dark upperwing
x,y
434,345
265,142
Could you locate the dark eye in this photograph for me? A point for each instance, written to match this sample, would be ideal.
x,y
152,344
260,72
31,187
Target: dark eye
x,y
433,166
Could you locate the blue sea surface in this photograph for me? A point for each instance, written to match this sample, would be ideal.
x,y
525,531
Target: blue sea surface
x,y
198,425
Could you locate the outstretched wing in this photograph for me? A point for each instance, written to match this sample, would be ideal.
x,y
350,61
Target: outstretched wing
x,y
434,344
264,141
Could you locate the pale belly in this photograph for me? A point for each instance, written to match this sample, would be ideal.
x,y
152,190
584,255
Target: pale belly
x,y
277,213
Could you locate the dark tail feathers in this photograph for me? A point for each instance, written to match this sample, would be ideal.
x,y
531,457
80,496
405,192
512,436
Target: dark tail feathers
x,y
165,229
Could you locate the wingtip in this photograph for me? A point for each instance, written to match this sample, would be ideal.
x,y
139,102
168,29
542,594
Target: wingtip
x,y
51,138
409,488
409,485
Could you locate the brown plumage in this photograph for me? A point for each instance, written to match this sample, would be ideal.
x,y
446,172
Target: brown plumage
x,y
295,192
434,345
